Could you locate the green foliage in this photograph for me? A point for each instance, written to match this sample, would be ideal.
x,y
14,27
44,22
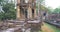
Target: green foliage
x,y
41,0
1,15
1,2
57,10
41,7
9,11
50,10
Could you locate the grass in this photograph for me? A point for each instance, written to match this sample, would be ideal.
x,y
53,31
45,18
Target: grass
x,y
55,29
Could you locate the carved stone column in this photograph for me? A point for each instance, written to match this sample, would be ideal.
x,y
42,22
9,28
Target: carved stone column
x,y
35,14
29,12
18,10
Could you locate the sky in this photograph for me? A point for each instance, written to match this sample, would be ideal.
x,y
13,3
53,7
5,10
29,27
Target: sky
x,y
52,3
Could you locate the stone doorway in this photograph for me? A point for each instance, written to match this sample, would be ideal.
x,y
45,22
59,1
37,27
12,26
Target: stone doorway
x,y
23,13
32,13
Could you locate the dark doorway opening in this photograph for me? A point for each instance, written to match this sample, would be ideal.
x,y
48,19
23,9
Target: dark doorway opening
x,y
26,13
33,13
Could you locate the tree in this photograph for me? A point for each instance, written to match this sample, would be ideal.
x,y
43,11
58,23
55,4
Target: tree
x,y
39,3
10,12
50,10
1,1
57,10
1,16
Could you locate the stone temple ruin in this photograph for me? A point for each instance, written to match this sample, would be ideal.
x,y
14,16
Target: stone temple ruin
x,y
26,9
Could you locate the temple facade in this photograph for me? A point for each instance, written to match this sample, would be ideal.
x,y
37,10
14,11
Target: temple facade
x,y
26,9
